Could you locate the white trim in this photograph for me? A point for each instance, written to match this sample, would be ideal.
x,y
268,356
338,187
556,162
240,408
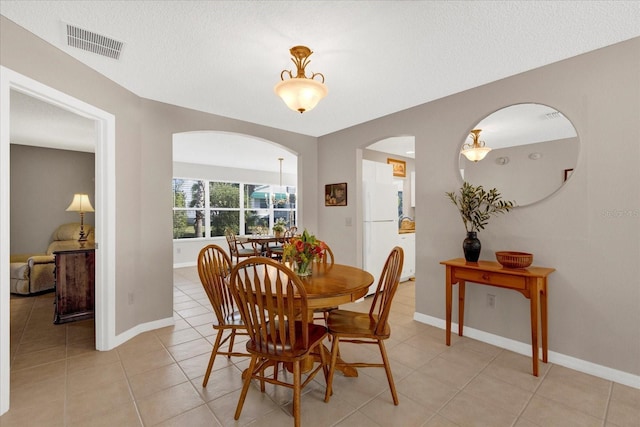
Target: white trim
x,y
185,264
525,349
105,198
143,327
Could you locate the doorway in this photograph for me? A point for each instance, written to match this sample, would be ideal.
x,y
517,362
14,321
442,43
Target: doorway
x,y
391,179
104,216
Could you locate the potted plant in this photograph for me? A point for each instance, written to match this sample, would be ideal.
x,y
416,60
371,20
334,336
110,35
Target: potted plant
x,y
476,206
279,227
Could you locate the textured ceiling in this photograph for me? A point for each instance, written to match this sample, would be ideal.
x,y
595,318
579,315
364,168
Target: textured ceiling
x,y
378,57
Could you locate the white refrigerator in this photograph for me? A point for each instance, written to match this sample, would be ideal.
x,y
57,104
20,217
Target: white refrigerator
x,y
380,224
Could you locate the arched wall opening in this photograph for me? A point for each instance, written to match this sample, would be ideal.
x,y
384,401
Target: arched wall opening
x,y
215,156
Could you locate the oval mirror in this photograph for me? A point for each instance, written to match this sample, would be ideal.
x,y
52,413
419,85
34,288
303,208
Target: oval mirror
x,y
530,150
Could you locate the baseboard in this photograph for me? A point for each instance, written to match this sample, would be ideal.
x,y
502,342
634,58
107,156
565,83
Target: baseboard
x,y
580,365
185,264
144,327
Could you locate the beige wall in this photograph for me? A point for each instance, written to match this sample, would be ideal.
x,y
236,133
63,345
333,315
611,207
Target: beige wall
x,y
43,182
143,149
589,230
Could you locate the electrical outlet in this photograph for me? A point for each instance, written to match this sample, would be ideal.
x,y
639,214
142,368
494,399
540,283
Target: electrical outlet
x,y
130,298
491,301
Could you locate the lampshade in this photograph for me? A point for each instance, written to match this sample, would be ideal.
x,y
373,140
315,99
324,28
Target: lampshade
x,y
80,203
301,93
475,151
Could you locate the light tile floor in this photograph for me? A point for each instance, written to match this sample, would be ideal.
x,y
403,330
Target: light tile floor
x,y
57,379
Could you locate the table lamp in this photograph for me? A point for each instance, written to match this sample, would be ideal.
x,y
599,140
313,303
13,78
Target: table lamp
x,y
81,203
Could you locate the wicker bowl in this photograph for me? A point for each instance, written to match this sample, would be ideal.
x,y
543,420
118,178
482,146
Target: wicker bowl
x,y
511,259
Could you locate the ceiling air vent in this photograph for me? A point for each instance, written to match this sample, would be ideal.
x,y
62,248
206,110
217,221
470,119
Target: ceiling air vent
x,y
93,42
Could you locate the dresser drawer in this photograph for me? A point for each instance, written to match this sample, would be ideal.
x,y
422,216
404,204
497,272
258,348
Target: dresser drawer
x,y
491,278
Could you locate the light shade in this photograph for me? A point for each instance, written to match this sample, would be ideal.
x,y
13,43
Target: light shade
x,y
475,151
301,94
80,203
476,154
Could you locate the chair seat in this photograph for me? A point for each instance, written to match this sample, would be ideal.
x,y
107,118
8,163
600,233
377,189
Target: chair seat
x,y
316,334
246,251
232,320
353,323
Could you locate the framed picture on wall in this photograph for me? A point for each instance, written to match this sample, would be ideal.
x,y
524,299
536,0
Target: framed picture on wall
x,y
335,194
399,167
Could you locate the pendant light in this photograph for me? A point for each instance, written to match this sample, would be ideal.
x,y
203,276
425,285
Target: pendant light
x,y
301,93
477,150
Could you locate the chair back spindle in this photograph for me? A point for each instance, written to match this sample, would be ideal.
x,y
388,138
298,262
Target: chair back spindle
x,y
386,289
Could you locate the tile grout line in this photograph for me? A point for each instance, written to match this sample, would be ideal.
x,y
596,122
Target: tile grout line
x,y
606,409
533,394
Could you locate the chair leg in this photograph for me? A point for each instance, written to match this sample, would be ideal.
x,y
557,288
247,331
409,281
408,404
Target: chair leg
x,y
214,352
332,368
245,386
387,369
231,339
323,360
297,380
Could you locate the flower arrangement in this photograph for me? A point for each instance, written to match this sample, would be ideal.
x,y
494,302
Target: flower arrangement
x,y
301,251
280,225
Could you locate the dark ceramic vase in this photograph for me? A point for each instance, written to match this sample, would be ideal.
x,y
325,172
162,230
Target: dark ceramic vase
x,y
471,247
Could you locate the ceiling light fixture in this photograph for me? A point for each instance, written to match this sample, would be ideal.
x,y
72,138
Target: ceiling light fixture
x,y
301,93
475,151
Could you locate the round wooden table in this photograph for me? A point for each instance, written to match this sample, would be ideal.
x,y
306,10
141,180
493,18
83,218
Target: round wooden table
x,y
333,285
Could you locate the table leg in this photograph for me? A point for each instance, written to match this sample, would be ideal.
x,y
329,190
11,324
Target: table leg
x,y
534,295
448,306
461,291
543,317
307,364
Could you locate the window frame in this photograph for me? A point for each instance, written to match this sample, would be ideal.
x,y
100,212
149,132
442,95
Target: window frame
x,y
242,209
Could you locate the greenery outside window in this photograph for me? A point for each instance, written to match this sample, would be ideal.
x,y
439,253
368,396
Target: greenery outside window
x,y
207,208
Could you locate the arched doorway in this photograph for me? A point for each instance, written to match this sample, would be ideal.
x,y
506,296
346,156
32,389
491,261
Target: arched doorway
x,y
206,162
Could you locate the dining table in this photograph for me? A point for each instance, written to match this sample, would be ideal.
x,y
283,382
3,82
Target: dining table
x,y
261,239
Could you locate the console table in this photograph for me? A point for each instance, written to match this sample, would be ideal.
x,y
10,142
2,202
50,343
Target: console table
x,y
530,282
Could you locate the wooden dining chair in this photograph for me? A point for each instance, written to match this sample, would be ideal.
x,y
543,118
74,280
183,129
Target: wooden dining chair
x,y
237,249
276,251
214,269
273,304
368,328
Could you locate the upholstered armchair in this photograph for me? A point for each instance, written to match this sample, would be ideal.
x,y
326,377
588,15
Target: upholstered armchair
x,y
34,273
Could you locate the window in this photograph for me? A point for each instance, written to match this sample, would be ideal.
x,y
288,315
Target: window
x,y
188,196
207,208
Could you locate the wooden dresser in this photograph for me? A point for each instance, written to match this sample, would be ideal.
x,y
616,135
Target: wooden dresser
x,y
75,283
